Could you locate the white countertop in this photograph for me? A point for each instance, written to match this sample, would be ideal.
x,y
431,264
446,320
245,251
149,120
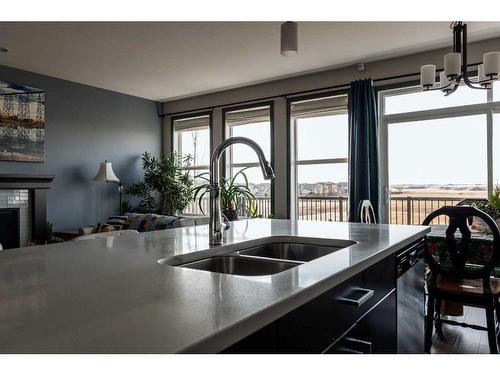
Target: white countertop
x,y
111,295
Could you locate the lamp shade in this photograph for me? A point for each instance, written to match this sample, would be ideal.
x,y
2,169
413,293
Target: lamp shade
x,y
491,63
452,64
480,73
427,75
106,173
443,80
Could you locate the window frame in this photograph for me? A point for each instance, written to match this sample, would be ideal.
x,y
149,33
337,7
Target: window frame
x,y
487,108
225,134
173,119
292,162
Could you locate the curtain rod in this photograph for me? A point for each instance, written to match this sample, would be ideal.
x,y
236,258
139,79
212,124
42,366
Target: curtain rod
x,y
292,94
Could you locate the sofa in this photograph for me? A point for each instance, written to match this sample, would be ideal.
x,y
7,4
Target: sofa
x,y
144,223
152,222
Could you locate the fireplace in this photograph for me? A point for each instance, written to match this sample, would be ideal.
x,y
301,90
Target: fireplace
x,y
23,208
9,228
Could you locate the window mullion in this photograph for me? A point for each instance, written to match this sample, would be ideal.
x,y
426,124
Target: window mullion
x,y
434,114
322,161
489,143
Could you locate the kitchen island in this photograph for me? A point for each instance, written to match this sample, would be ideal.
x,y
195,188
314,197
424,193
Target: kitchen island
x,y
111,295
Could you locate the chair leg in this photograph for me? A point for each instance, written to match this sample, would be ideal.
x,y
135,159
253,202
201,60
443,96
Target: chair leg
x,y
437,322
497,309
492,329
429,320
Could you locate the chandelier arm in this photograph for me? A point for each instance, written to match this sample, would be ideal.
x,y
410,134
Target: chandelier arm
x,y
470,84
465,73
449,92
451,83
442,88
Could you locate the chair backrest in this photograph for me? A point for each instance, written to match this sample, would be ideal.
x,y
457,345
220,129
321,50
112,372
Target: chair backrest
x,y
366,212
462,256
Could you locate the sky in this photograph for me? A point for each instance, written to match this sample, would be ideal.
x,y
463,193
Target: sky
x,y
439,151
442,151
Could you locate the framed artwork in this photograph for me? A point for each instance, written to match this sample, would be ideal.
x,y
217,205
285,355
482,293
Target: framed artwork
x,y
22,123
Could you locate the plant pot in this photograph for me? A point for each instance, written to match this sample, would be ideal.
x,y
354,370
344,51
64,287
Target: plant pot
x,y
230,214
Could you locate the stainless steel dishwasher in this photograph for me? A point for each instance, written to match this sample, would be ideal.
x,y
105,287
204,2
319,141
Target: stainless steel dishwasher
x,y
410,270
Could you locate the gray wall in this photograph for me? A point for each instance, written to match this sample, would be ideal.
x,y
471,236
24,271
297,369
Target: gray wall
x,y
84,126
408,64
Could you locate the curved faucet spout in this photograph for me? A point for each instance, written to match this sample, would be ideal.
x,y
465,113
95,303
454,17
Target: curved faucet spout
x,y
216,230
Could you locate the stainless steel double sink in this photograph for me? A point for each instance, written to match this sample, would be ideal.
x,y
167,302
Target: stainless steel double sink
x,y
266,259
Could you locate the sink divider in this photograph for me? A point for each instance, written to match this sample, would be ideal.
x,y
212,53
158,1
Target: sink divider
x,y
237,253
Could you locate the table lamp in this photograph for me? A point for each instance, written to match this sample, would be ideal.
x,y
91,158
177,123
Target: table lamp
x,y
106,174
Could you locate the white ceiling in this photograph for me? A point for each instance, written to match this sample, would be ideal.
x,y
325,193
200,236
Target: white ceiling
x,y
166,60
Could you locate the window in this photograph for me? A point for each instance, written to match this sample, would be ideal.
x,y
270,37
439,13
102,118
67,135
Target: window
x,y
435,150
253,123
320,144
496,133
409,101
192,138
496,148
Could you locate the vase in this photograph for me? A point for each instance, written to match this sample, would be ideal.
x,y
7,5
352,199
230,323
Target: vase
x,y
230,214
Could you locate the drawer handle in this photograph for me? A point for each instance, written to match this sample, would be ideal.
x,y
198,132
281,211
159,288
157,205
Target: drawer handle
x,y
366,294
363,347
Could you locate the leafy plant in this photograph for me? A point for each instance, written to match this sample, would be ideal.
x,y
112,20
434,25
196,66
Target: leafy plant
x,y
492,205
167,189
494,199
48,234
233,195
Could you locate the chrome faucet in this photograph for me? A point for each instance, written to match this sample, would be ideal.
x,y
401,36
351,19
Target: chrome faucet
x,y
216,235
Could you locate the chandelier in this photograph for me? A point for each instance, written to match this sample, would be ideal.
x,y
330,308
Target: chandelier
x,y
455,67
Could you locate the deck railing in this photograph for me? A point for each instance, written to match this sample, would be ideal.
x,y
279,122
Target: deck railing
x,y
323,208
413,210
263,207
403,210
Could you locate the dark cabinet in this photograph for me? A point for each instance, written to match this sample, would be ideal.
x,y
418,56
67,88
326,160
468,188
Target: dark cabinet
x,y
314,326
363,306
375,332
264,340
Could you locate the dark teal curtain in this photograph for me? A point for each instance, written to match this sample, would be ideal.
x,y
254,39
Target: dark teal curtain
x,y
364,171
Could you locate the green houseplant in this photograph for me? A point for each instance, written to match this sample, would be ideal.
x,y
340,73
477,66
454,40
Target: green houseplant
x,y
234,196
167,187
491,207
48,234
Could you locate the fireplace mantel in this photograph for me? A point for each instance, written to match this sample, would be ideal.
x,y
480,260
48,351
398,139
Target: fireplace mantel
x,y
37,186
25,181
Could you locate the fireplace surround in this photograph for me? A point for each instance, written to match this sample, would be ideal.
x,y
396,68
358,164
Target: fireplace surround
x,y
9,227
36,187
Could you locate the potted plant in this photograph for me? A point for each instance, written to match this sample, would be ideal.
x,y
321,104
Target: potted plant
x,y
167,188
234,197
491,207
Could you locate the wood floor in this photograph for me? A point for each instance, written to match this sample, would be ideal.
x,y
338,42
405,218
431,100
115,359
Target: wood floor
x,y
460,340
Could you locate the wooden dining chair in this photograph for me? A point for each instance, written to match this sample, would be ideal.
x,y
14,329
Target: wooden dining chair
x,y
366,212
458,275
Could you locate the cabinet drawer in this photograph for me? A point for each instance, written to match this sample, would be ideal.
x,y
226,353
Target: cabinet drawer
x,y
314,326
374,333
